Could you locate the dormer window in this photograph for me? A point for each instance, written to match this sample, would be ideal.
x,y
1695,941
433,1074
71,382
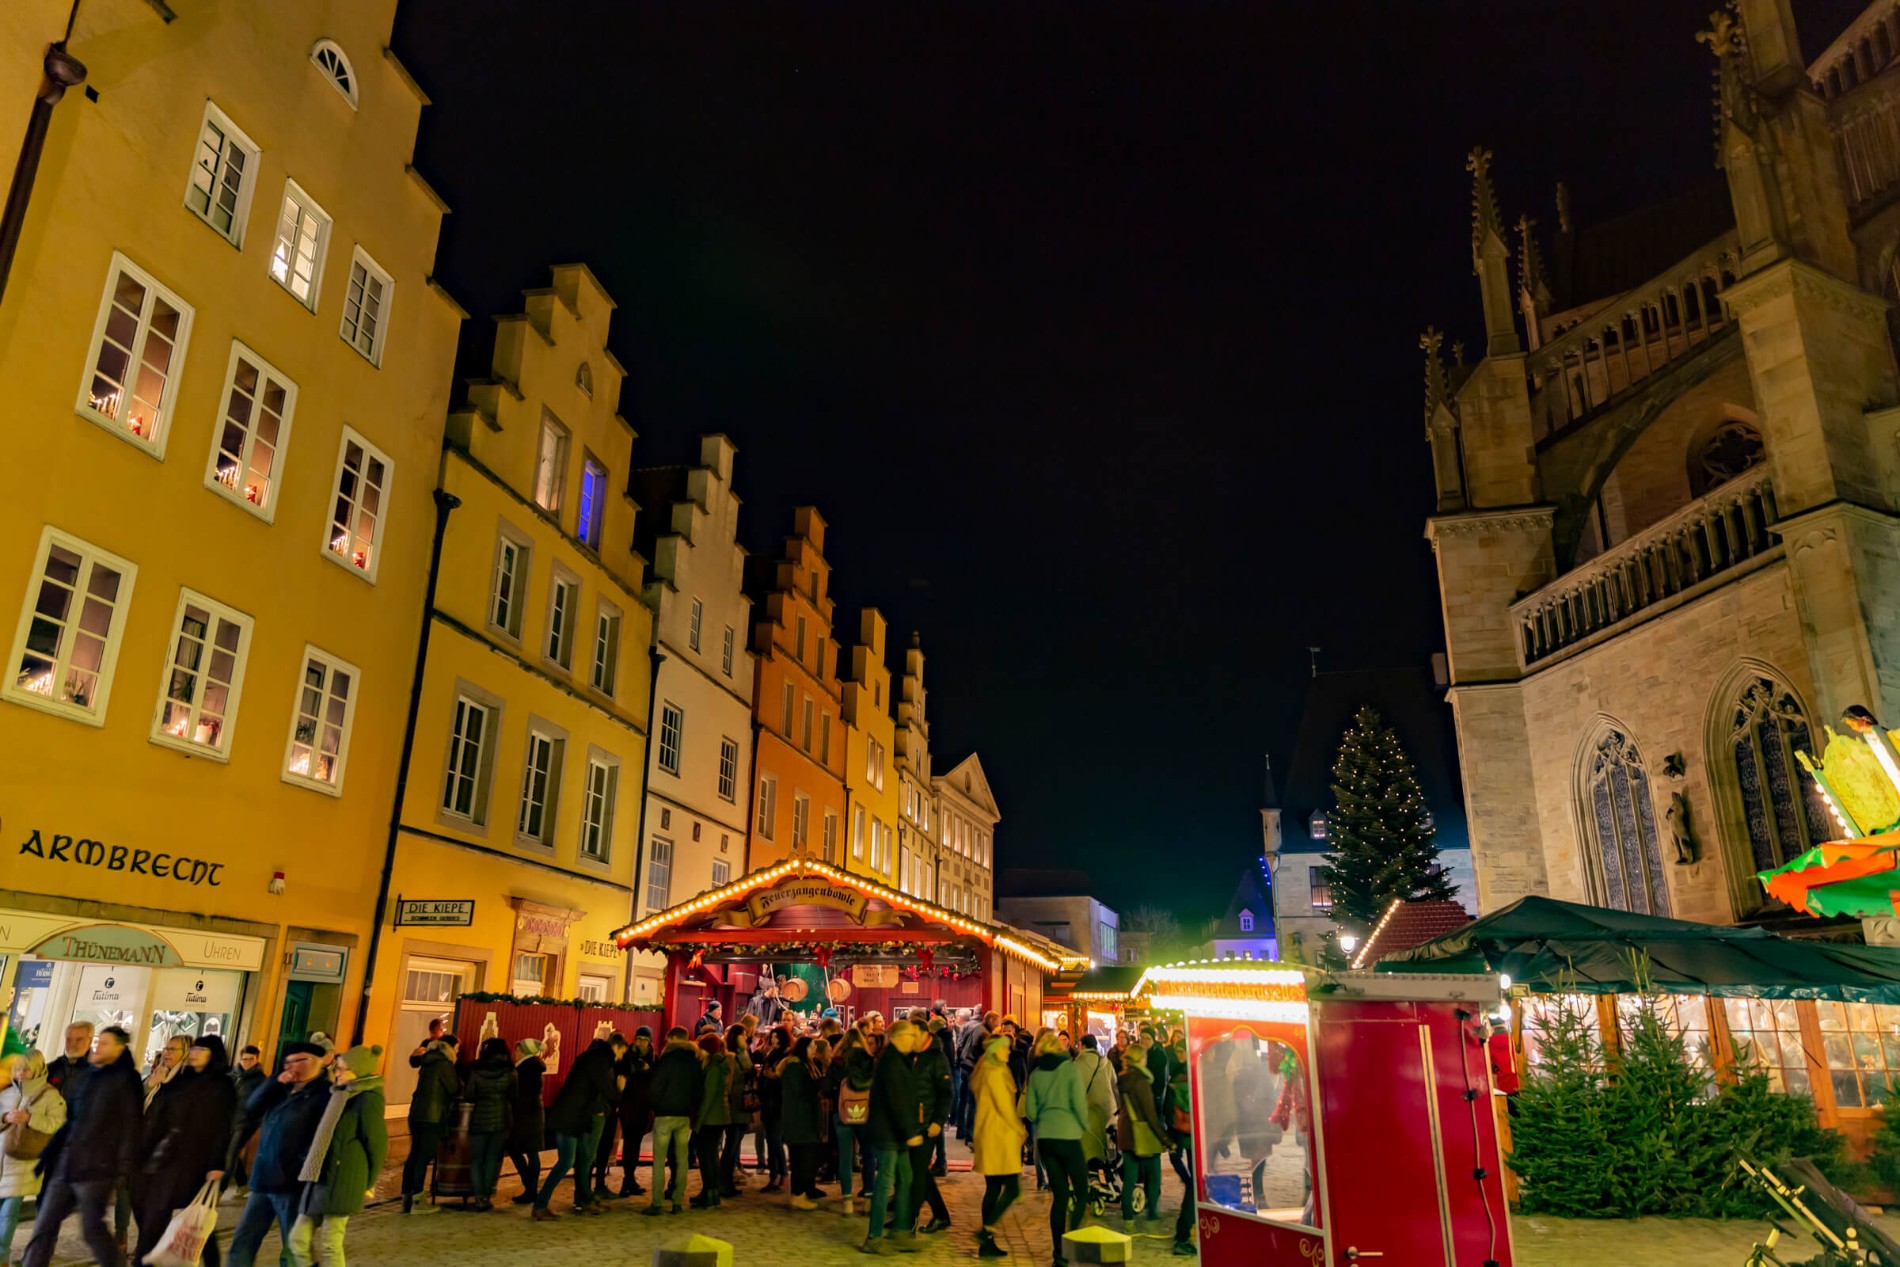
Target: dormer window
x,y
1246,921
1316,827
335,65
584,379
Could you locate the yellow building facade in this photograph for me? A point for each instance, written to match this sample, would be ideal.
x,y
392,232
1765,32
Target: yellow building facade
x,y
226,370
520,813
799,745
870,772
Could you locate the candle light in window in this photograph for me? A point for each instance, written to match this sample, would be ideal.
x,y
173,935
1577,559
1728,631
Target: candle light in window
x,y
253,494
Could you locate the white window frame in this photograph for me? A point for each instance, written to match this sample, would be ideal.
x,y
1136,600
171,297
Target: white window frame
x,y
468,701
726,652
857,831
285,251
1246,921
672,736
561,653
331,665
550,470
721,873
603,672
135,354
659,873
801,820
728,769
234,139
592,517
348,329
768,807
90,557
338,73
380,527
695,621
541,738
807,715
508,622
828,836
234,689
600,792
267,508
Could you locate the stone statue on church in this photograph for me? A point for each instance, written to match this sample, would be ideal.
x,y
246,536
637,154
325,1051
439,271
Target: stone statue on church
x,y
1681,830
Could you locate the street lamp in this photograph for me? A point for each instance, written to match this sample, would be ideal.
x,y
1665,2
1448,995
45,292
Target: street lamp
x,y
1349,942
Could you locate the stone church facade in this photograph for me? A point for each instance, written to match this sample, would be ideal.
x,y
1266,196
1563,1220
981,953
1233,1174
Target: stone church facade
x,y
1666,523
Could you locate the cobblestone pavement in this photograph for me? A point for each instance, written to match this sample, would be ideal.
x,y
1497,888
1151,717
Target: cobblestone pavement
x,y
1542,1242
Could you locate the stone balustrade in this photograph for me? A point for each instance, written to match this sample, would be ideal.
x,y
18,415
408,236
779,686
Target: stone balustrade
x,y
1631,337
1698,544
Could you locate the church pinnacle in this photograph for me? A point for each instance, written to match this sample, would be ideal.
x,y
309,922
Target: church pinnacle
x,y
1484,200
1437,387
1490,259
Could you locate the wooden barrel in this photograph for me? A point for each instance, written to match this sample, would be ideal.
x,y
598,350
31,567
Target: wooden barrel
x,y
454,1174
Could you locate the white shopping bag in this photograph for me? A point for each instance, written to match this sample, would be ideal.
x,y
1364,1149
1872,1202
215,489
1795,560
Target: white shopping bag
x,y
184,1241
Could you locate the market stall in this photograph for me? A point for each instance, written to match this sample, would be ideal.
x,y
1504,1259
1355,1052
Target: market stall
x,y
1305,1084
1098,1001
876,949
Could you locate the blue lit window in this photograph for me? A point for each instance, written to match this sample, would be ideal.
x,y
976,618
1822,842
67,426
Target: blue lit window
x,y
593,501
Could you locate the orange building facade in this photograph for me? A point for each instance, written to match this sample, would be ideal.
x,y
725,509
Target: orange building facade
x,y
798,733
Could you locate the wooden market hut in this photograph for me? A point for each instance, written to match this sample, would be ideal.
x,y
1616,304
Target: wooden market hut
x,y
880,949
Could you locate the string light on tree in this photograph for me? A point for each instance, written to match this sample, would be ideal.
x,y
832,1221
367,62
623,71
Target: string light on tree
x,y
1380,830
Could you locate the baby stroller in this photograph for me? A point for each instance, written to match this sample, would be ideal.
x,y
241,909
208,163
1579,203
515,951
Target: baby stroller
x,y
1105,1184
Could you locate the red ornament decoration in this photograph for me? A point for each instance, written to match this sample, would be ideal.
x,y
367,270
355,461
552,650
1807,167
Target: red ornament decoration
x,y
923,957
699,957
823,955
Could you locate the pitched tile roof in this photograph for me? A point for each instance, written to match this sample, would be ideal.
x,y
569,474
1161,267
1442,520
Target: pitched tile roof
x,y
1408,924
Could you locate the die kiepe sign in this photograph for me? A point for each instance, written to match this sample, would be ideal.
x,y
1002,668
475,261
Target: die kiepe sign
x,y
457,913
83,852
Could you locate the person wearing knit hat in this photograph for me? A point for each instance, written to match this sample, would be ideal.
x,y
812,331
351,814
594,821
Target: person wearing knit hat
x,y
345,1157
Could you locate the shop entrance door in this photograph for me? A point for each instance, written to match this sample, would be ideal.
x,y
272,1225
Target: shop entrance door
x,y
429,989
294,1024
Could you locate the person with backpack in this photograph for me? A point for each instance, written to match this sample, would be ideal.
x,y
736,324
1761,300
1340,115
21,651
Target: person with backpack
x,y
999,1136
849,1077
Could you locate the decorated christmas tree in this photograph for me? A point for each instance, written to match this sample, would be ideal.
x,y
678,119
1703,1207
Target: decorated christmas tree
x,y
1379,829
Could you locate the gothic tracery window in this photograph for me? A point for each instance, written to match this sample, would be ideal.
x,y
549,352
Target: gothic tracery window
x,y
1623,820
1781,810
1733,449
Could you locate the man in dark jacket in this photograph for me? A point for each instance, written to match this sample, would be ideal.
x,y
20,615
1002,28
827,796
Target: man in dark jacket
x,y
591,1091
897,1125
431,1114
712,1019
93,1153
636,1069
75,1060
678,1084
287,1110
970,1038
930,1069
247,1075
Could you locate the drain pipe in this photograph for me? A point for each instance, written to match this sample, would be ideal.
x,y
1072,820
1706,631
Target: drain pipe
x,y
63,71
656,657
445,502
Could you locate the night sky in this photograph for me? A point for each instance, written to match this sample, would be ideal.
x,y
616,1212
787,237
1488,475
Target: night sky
x,y
1091,329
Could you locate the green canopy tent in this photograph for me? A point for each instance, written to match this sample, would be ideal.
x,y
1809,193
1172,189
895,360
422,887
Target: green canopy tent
x,y
1549,946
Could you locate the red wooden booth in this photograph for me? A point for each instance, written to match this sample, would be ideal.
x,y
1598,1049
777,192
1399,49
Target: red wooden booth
x,y
1339,1117
878,949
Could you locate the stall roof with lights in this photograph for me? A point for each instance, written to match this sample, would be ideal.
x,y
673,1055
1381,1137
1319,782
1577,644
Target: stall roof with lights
x,y
1549,946
1260,991
803,906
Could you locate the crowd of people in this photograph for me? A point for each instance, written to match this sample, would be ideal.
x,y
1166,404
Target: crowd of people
x,y
865,1108
89,1135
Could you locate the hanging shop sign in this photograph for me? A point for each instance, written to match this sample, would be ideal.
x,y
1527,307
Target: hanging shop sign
x,y
874,976
764,904
316,962
600,950
455,912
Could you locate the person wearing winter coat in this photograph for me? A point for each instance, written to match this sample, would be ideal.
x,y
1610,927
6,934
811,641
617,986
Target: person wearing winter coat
x,y
431,1115
527,1133
898,1119
580,1108
1142,1138
848,1079
93,1154
714,1115
1057,1104
74,1061
771,1136
27,1099
1098,1087
674,1092
187,1138
800,1076
490,1091
344,1158
740,1086
930,1062
999,1134
635,1070
247,1075
288,1110
1175,1112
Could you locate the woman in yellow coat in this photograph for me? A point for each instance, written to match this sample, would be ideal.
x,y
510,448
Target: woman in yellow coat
x,y
999,1141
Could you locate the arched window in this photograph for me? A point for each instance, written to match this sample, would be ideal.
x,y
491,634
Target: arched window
x,y
584,379
335,65
1246,921
1621,819
1781,809
1733,448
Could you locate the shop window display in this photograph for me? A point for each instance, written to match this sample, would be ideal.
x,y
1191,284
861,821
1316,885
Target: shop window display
x,y
1254,1147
